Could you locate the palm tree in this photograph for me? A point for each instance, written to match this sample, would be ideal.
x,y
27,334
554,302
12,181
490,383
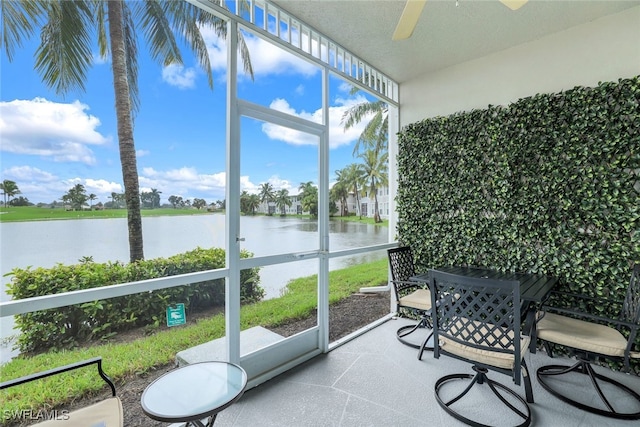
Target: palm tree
x,y
253,201
267,195
9,189
116,198
283,201
64,57
375,167
77,196
375,134
340,192
92,197
354,177
155,198
374,138
309,198
244,201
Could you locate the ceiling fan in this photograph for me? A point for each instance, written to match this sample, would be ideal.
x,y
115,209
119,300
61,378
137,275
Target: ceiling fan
x,y
413,8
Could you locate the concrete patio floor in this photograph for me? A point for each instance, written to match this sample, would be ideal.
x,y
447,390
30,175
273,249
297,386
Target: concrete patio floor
x,y
374,380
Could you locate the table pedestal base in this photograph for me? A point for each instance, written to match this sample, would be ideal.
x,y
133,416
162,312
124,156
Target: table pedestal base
x,y
198,423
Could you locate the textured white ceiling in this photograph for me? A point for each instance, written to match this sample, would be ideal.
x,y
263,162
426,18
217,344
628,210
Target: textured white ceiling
x,y
446,34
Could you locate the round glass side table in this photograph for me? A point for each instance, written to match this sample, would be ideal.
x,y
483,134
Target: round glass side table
x,y
194,392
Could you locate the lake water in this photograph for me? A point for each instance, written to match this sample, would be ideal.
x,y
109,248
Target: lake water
x,y
46,243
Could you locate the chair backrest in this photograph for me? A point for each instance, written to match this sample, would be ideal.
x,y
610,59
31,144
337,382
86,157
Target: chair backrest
x,y
631,305
477,313
401,262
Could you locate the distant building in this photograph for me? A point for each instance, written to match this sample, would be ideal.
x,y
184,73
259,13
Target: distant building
x,y
366,204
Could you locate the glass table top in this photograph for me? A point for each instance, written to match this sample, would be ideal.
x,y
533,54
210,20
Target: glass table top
x,y
194,391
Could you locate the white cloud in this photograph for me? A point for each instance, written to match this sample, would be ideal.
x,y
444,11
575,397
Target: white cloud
x,y
266,58
216,47
246,184
300,90
142,153
345,87
102,186
62,132
99,60
185,182
337,135
28,173
179,76
42,186
280,184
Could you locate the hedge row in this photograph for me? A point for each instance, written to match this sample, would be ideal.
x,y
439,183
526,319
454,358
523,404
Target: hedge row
x,y
66,327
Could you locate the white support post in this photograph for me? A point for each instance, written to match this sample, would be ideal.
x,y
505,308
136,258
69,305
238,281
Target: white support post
x,y
394,128
232,220
323,218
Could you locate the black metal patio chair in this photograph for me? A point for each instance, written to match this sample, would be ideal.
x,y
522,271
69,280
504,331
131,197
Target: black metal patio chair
x,y
478,320
590,337
411,296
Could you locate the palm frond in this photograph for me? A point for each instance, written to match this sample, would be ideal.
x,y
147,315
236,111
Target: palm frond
x,y
355,114
221,31
64,55
131,52
101,27
20,19
158,32
187,20
244,55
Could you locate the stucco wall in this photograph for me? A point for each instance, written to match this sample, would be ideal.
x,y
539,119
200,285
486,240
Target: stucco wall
x,y
603,50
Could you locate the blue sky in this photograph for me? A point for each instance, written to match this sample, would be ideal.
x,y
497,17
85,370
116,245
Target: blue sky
x,y
49,143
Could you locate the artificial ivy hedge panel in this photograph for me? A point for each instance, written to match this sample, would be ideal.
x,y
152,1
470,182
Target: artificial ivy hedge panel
x,y
548,184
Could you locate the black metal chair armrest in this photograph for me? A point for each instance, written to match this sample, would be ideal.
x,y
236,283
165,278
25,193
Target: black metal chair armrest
x,y
59,370
405,287
571,296
589,316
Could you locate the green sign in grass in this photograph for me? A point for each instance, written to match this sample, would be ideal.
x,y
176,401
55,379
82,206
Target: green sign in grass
x,y
176,315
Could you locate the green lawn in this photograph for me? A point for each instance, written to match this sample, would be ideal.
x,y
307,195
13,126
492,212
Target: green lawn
x,y
33,213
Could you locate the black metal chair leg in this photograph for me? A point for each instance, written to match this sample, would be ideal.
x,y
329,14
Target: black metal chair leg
x,y
527,382
424,345
481,378
409,329
583,367
547,348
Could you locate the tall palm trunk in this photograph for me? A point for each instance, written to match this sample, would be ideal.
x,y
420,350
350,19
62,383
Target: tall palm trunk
x,y
376,215
125,129
358,202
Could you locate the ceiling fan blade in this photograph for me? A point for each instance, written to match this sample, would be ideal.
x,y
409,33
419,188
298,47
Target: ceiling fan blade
x,y
513,4
408,19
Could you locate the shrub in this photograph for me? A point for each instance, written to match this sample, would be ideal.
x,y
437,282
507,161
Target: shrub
x,y
66,327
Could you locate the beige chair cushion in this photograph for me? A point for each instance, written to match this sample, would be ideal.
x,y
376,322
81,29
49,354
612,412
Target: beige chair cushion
x,y
487,357
419,299
106,413
582,335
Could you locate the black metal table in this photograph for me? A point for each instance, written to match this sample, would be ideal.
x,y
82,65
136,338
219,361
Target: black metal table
x,y
194,392
534,288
